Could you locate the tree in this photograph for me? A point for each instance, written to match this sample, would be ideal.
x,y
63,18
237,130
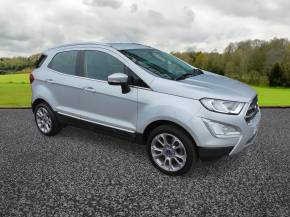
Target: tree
x,y
250,61
276,76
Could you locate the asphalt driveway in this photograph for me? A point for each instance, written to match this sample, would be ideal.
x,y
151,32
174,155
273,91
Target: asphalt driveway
x,y
82,173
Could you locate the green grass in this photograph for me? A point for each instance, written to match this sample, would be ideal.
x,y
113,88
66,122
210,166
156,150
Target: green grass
x,y
271,96
15,95
14,78
15,91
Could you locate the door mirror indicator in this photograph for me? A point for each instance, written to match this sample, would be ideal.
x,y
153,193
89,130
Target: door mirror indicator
x,y
119,79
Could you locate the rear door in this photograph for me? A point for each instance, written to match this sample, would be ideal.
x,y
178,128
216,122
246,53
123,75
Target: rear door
x,y
103,103
63,82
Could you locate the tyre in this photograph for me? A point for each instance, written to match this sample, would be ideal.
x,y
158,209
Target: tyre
x,y
171,150
46,120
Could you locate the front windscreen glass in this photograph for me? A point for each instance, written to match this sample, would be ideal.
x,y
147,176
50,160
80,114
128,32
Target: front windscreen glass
x,y
161,64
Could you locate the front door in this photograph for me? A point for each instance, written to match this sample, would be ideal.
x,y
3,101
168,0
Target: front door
x,y
103,103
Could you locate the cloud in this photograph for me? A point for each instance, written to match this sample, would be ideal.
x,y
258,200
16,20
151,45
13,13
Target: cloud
x,y
271,10
31,26
134,8
115,4
190,14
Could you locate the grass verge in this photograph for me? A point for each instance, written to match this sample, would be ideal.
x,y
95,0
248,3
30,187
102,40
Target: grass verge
x,y
272,96
15,95
15,91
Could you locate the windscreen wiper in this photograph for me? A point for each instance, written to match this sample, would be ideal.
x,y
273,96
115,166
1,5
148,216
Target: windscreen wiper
x,y
190,74
184,76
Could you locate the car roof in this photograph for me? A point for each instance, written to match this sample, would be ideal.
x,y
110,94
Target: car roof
x,y
116,46
127,46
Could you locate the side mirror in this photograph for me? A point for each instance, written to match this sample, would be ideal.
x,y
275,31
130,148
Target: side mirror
x,y
119,79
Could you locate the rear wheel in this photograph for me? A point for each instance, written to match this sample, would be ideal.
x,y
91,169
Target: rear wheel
x,y
171,150
46,120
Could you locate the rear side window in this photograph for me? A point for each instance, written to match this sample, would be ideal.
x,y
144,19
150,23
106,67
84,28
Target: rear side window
x,y
64,62
41,60
99,65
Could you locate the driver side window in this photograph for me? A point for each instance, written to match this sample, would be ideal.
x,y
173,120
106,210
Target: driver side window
x,y
99,65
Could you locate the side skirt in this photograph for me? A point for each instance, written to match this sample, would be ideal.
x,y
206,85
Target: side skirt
x,y
133,137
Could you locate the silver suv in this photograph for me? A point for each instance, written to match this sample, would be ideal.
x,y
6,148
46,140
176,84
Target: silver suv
x,y
180,112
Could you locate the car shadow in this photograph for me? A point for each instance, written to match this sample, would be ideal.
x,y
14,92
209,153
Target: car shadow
x,y
218,166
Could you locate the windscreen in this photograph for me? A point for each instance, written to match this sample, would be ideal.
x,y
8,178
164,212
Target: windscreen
x,y
160,63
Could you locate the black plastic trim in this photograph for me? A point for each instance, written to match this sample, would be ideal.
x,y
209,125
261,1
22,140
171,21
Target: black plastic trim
x,y
253,109
213,153
40,61
134,137
79,62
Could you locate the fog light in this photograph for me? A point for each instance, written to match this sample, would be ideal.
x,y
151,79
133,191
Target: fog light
x,y
221,130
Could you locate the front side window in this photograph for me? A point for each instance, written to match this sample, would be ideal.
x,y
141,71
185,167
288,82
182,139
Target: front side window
x,y
64,62
161,64
99,65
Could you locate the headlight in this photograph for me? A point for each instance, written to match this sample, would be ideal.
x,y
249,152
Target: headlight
x,y
222,106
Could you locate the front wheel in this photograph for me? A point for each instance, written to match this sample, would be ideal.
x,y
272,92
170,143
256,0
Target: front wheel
x,y
46,120
171,150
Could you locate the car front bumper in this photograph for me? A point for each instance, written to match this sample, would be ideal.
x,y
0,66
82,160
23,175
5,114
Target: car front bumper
x,y
248,136
211,146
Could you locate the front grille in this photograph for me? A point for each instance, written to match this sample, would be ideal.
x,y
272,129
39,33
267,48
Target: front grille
x,y
252,110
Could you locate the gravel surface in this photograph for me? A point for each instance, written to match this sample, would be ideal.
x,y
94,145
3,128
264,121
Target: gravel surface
x,y
83,173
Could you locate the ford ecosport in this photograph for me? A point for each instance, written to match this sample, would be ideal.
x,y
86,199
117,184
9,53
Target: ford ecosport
x,y
180,112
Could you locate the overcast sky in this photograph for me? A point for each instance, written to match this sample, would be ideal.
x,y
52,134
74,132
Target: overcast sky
x,y
29,26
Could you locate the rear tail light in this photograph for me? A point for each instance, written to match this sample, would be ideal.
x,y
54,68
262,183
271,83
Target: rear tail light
x,y
31,78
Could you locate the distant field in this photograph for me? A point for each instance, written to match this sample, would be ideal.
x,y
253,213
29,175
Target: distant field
x,y
15,95
14,78
15,91
269,96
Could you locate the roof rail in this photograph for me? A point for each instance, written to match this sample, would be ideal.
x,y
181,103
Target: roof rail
x,y
117,46
82,43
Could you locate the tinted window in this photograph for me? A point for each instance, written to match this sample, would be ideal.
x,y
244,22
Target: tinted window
x,y
40,61
161,64
99,65
64,62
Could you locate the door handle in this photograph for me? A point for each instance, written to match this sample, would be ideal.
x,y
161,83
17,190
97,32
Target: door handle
x,y
89,89
50,81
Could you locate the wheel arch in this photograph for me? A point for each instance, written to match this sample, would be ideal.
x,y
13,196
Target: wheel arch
x,y
38,101
158,123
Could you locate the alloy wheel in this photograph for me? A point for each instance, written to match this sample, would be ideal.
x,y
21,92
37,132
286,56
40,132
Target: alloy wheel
x,y
168,152
43,120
